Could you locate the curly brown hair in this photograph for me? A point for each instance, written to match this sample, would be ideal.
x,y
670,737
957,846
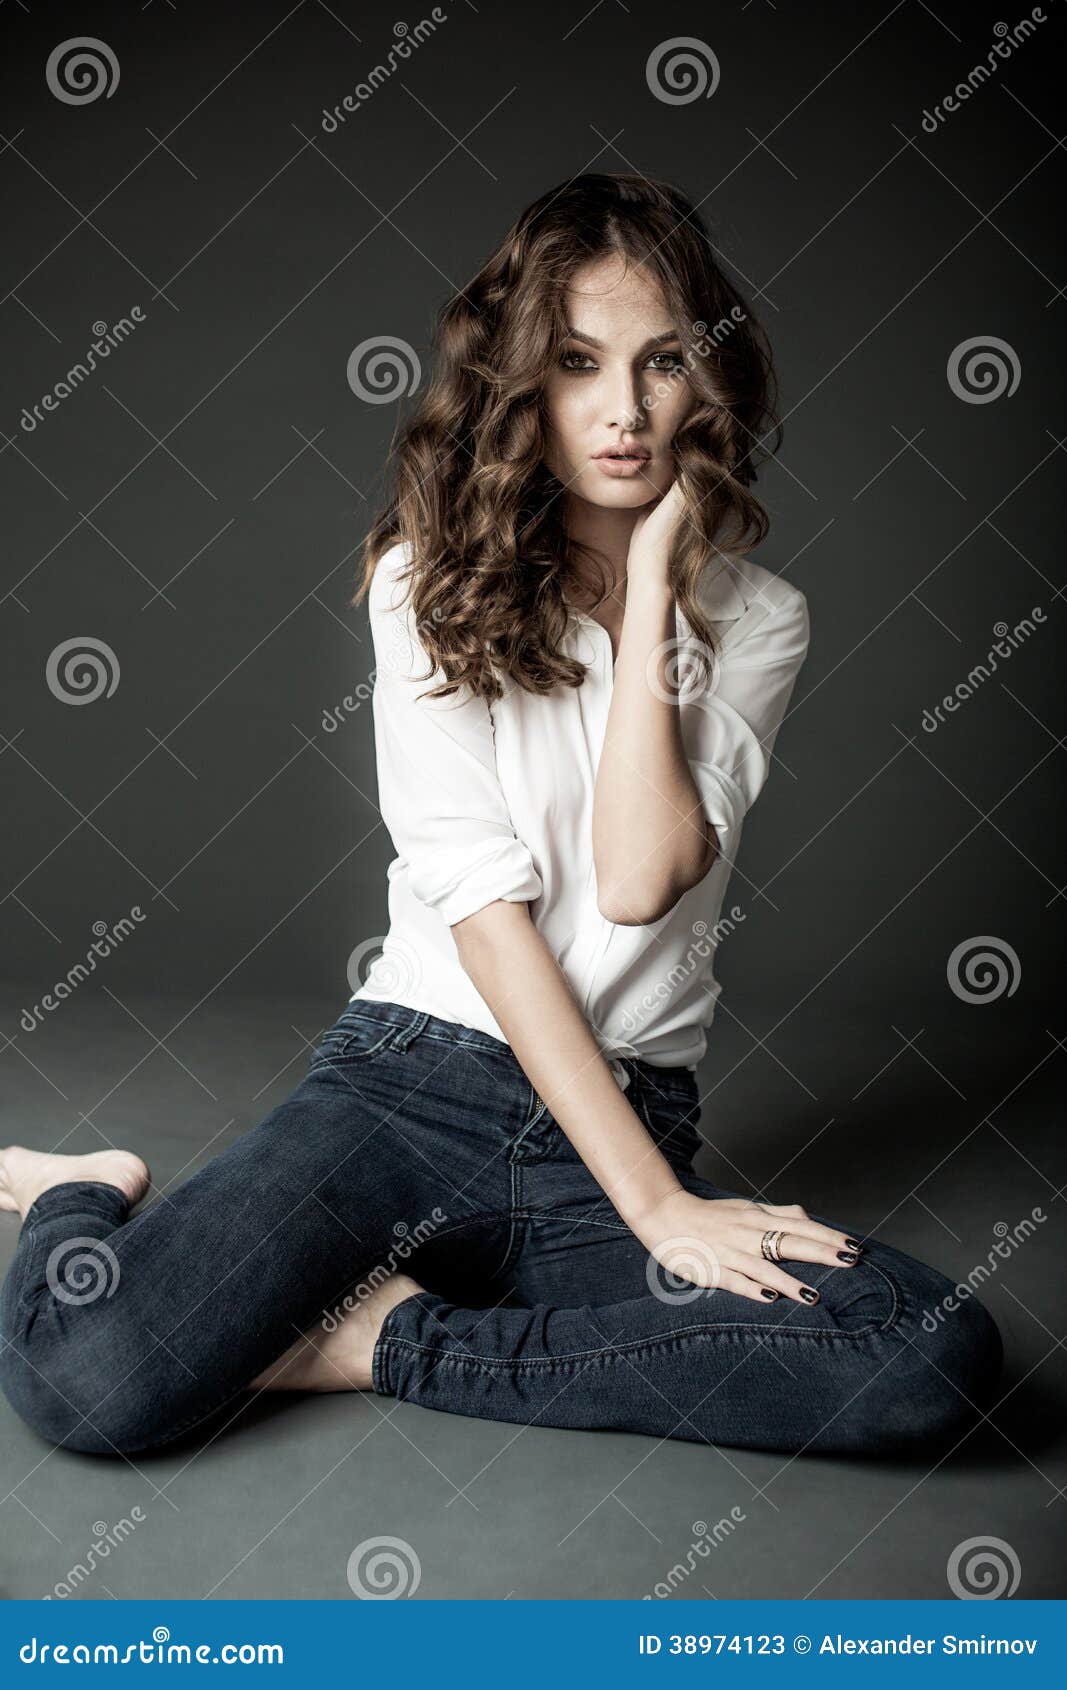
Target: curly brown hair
x,y
489,559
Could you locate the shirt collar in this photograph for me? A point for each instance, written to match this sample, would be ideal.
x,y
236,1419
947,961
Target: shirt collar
x,y
719,592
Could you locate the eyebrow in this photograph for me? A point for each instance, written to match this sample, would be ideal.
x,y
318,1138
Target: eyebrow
x,y
591,340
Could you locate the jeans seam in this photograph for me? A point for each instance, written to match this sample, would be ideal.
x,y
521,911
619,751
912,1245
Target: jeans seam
x,y
341,1056
538,1109
635,1347
566,1215
496,1049
83,1203
513,1246
20,1266
780,1330
379,1365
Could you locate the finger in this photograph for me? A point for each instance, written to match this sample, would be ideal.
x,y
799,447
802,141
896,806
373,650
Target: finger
x,y
742,1286
766,1275
753,1214
795,1247
813,1232
841,1240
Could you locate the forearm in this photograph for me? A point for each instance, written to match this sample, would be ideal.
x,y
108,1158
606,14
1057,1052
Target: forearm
x,y
527,993
651,842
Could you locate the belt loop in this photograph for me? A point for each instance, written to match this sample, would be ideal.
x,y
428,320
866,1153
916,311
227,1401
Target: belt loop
x,y
406,1035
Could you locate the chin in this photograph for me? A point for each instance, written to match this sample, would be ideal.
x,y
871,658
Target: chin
x,y
611,494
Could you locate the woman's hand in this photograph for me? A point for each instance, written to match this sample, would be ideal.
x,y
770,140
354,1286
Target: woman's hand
x,y
654,532
715,1242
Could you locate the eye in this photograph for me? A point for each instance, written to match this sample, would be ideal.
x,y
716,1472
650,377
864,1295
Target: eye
x,y
673,361
577,362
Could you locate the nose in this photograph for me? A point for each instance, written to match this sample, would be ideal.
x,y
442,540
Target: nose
x,y
624,409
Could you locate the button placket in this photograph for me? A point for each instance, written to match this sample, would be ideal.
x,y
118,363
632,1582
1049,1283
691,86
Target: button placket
x,y
592,933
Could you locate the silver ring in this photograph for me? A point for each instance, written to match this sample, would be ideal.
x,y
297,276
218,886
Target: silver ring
x,y
770,1245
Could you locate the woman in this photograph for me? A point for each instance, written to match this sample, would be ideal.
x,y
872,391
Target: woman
x,y
507,1107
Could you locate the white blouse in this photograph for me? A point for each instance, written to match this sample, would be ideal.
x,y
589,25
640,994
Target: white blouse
x,y
487,801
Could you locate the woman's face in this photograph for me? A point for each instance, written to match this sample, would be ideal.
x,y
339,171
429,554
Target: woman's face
x,y
619,387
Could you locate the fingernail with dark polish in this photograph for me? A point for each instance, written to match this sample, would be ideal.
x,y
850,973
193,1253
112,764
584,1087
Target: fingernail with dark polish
x,y
853,1243
772,1296
847,1256
808,1294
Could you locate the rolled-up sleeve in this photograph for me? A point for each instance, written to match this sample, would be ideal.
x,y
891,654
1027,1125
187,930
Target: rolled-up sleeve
x,y
438,787
730,728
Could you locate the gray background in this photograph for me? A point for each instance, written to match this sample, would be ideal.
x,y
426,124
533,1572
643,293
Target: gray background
x,y
197,505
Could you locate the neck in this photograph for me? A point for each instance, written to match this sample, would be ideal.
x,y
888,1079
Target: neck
x,y
607,534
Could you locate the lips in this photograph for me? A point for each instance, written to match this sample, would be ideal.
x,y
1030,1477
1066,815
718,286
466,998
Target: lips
x,y
639,454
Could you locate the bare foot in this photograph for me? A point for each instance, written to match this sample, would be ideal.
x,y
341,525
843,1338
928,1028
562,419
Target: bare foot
x,y
338,1360
24,1174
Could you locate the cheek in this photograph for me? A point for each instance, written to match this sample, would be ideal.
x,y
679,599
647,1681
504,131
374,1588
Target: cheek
x,y
565,410
678,405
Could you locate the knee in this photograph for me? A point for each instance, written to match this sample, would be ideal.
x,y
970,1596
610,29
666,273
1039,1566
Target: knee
x,y
967,1349
66,1414
950,1362
938,1350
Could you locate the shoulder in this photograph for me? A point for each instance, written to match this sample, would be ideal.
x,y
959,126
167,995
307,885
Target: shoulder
x,y
389,585
740,597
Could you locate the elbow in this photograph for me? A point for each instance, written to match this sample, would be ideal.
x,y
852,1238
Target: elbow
x,y
634,908
629,903
493,927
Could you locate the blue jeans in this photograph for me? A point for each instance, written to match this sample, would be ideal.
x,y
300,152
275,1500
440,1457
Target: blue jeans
x,y
412,1143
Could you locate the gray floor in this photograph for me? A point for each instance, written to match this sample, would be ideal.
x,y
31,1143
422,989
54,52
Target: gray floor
x,y
930,1143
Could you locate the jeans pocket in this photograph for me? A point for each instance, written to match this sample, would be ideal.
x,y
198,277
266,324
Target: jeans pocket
x,y
355,1037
